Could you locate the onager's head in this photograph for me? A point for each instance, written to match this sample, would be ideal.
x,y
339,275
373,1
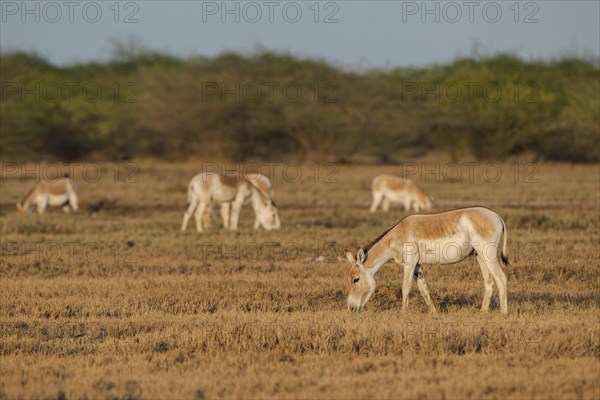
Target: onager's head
x,y
268,216
423,201
426,203
361,283
21,209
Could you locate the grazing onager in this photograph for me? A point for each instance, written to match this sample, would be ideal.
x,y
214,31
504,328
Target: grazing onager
x,y
208,187
393,189
50,193
261,182
442,238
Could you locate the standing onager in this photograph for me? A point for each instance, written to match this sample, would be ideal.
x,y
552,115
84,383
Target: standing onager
x,y
393,189
442,238
50,193
261,182
208,187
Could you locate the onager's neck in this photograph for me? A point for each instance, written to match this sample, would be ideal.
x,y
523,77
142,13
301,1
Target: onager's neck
x,y
257,199
377,255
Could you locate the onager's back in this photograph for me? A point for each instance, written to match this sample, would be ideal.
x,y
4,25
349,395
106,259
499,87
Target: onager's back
x,y
457,231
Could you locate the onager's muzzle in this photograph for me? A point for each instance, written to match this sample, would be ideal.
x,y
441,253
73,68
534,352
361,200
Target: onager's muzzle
x,y
354,305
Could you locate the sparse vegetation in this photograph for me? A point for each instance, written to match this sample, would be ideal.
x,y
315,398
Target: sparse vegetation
x,y
120,304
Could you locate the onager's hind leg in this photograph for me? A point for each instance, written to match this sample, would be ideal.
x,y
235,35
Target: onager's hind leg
x,y
423,289
488,284
188,213
377,197
199,214
501,283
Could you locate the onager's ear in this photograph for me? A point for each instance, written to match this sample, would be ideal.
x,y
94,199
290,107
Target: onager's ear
x,y
350,257
360,256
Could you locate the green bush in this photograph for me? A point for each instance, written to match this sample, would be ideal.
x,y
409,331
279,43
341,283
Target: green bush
x,y
157,105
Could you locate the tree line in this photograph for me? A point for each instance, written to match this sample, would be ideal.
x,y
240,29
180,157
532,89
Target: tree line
x,y
274,106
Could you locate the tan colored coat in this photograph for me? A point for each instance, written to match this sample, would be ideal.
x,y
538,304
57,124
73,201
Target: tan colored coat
x,y
387,189
234,188
50,193
442,238
261,182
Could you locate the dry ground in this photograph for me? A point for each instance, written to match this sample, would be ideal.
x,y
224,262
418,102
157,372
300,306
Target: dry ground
x,y
121,304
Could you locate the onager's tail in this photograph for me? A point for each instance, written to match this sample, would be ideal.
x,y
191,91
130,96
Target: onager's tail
x,y
503,254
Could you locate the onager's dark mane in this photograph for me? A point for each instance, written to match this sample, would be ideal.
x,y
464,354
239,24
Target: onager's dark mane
x,y
378,238
29,193
264,195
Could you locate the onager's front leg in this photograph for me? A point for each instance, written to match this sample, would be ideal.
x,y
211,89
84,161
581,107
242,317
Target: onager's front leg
x,y
74,202
385,204
415,206
40,207
235,212
409,271
501,283
377,197
225,212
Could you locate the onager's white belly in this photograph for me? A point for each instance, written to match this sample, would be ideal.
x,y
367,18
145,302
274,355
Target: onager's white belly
x,y
58,199
397,196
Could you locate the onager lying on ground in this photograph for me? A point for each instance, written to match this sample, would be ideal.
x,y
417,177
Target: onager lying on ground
x,y
442,238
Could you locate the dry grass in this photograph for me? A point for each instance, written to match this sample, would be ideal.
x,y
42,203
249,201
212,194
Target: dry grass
x,y
123,305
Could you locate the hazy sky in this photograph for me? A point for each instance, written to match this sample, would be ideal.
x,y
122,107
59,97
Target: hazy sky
x,y
350,33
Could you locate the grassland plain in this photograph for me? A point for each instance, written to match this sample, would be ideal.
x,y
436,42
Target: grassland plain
x,y
121,304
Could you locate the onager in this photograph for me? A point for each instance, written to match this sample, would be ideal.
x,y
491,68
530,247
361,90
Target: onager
x,y
261,182
208,187
393,189
442,238
50,193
